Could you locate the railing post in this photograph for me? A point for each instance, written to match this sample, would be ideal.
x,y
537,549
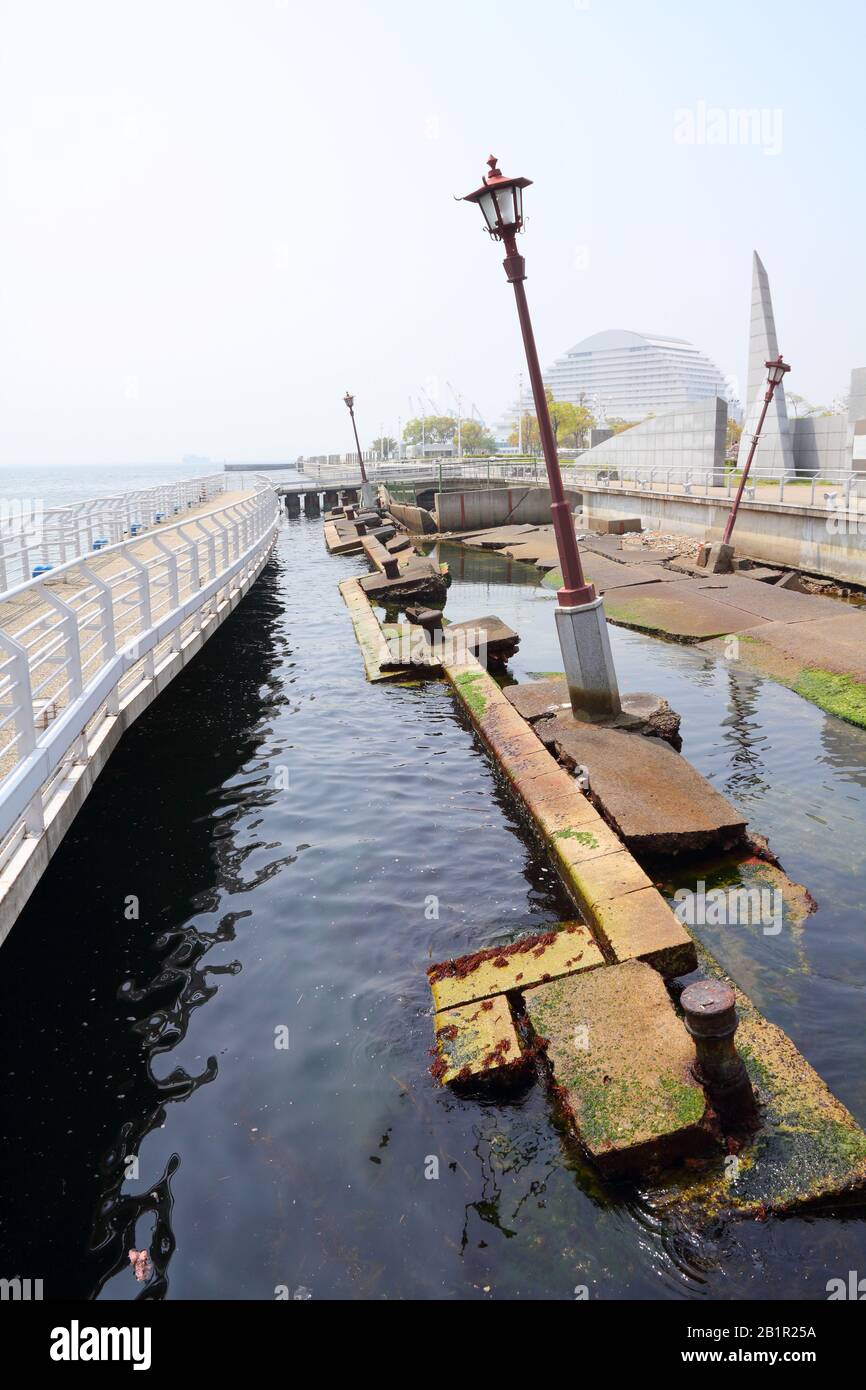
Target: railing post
x,y
106,603
146,608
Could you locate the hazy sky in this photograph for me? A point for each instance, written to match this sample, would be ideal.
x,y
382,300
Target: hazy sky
x,y
218,215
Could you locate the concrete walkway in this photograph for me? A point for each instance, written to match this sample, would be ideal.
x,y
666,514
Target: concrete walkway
x,y
32,621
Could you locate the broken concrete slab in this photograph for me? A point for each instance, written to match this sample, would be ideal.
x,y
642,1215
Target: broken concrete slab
x,y
532,960
429,618
824,662
642,712
657,803
380,558
686,616
474,1041
764,601
489,634
340,543
495,537
409,647
621,1059
626,549
421,582
837,644
760,573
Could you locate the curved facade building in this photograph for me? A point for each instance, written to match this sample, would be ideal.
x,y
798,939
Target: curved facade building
x,y
628,376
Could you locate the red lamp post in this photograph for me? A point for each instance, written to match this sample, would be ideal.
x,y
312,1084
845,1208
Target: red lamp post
x,y
581,623
350,402
501,202
775,373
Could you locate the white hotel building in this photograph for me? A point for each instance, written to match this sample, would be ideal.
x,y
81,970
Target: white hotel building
x,y
627,376
631,375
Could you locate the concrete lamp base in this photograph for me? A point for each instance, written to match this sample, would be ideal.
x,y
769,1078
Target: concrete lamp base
x,y
369,497
588,662
716,558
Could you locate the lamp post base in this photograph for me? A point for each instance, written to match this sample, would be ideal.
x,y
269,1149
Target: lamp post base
x,y
369,496
588,662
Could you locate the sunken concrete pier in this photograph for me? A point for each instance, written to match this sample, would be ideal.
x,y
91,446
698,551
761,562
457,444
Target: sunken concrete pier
x,y
590,1008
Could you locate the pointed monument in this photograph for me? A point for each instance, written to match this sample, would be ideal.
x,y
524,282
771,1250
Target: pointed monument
x,y
776,450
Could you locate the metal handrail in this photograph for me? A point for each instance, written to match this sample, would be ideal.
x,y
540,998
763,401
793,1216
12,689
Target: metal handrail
x,y
844,485
59,534
78,642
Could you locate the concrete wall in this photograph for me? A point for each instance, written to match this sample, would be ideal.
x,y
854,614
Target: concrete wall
x,y
507,506
415,519
821,445
693,438
814,539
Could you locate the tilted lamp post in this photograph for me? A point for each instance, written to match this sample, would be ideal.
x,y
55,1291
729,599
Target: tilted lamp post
x,y
775,373
580,620
368,494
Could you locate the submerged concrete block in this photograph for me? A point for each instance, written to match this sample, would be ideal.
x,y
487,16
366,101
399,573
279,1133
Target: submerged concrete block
x,y
657,803
623,1060
475,1040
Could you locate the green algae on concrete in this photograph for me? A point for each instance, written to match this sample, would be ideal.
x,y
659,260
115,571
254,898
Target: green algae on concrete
x,y
584,837
473,694
833,693
683,617
824,662
621,1060
592,863
808,1149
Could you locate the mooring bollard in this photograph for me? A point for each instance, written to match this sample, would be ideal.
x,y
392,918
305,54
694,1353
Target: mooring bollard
x,y
710,1009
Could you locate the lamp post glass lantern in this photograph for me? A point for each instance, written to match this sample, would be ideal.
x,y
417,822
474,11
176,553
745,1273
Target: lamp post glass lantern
x,y
776,370
580,619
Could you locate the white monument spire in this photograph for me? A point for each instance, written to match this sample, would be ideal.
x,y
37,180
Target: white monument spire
x,y
775,451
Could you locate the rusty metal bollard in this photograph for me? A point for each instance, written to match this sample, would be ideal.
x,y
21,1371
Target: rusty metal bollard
x,y
710,1009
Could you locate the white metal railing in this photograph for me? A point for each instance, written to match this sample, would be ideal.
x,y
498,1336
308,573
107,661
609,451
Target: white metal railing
x,y
78,642
830,489
31,537
836,490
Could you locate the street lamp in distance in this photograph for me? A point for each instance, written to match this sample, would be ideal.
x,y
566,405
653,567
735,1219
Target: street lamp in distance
x,y
580,621
368,493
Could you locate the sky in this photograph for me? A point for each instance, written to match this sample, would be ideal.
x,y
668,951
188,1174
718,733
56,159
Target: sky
x,y
216,216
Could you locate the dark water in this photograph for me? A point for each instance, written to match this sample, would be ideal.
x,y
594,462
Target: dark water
x,y
307,909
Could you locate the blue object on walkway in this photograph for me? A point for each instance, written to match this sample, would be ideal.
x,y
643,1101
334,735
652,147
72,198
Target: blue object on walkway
x,y
41,569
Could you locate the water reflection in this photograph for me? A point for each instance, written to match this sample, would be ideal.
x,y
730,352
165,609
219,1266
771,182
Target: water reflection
x,y
145,855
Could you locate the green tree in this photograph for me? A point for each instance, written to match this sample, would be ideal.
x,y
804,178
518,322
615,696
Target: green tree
x,y
476,439
385,446
531,436
435,429
577,430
